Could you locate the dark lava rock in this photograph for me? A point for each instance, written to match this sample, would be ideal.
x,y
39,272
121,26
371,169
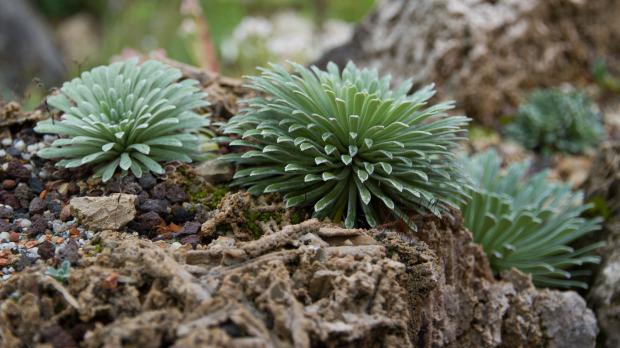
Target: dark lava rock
x,y
17,170
126,184
23,194
37,206
36,185
172,192
55,206
193,239
6,212
9,184
191,227
57,337
142,197
5,226
147,181
147,224
202,213
70,252
39,225
9,199
180,215
160,206
46,250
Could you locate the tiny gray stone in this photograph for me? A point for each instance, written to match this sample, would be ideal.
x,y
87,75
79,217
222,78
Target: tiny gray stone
x,y
214,171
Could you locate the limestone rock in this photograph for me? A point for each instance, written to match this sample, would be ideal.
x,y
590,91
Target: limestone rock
x,y
486,55
104,213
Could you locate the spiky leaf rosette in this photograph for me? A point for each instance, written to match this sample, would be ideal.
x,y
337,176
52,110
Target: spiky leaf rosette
x,y
527,222
345,142
126,116
552,120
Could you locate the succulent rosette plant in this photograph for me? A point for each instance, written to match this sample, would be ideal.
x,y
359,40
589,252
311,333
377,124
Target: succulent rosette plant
x,y
126,116
345,143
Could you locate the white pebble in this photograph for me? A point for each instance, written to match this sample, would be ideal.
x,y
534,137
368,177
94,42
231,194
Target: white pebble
x,y
4,236
32,148
9,245
20,145
2,153
49,138
23,223
175,245
6,277
26,156
7,141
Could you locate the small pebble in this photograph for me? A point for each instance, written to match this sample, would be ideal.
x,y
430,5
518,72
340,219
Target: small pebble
x,y
46,250
5,236
20,145
9,184
32,148
7,141
2,153
6,211
23,223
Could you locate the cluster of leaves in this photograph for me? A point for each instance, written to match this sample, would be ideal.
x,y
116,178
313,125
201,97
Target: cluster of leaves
x,y
342,141
552,120
126,115
528,222
62,273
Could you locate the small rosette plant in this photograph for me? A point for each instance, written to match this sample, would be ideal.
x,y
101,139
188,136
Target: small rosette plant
x,y
528,223
126,115
344,142
552,120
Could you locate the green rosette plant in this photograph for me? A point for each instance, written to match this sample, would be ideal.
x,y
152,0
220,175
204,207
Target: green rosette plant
x,y
345,142
528,223
552,120
126,115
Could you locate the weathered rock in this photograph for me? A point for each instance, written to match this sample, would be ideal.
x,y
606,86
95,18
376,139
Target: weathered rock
x,y
500,50
301,285
104,213
214,171
603,187
457,302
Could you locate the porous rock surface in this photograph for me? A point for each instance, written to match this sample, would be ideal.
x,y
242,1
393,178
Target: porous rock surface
x,y
486,55
603,185
306,285
104,213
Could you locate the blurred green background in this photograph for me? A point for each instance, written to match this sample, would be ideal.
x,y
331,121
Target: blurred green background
x,y
146,25
50,41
